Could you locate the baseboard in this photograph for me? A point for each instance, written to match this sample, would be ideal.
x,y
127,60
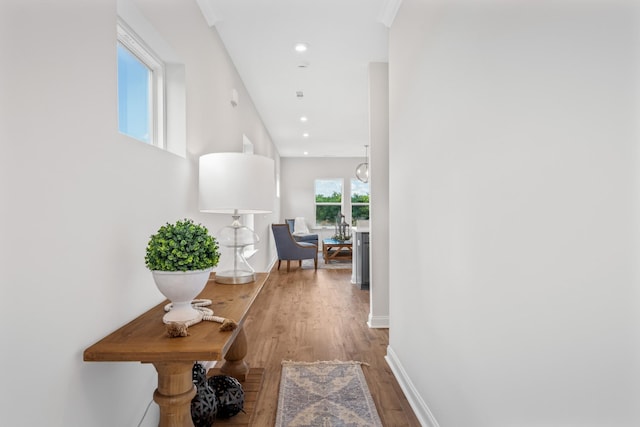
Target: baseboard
x,y
420,408
378,322
272,264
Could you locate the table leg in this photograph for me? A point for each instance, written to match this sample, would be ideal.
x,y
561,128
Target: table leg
x,y
174,393
234,364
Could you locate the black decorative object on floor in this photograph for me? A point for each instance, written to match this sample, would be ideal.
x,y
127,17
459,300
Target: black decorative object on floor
x,y
204,404
229,394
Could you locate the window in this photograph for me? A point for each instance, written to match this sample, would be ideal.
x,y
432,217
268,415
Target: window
x,y
359,200
328,201
140,89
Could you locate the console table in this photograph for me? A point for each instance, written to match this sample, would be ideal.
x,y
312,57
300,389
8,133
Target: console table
x,y
144,340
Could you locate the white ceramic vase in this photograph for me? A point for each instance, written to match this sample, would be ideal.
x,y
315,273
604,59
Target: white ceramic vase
x,y
181,287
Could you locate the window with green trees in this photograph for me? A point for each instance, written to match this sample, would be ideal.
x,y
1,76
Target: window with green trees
x,y
328,194
359,200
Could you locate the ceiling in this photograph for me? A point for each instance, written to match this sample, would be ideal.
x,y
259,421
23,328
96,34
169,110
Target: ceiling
x,y
343,37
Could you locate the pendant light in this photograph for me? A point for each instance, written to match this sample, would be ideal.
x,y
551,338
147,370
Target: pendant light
x,y
362,171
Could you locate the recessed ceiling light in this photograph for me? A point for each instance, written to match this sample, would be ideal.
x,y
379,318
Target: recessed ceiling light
x,y
301,47
306,135
306,153
303,119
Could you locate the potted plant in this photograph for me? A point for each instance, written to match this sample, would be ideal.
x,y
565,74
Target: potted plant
x,y
181,256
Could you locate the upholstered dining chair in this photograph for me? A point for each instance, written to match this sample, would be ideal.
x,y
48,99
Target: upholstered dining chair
x,y
288,249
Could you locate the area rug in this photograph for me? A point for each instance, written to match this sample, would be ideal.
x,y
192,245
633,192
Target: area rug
x,y
307,264
325,394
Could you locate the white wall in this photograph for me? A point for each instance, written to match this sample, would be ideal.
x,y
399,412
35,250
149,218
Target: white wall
x,y
297,184
79,200
213,125
514,135
379,182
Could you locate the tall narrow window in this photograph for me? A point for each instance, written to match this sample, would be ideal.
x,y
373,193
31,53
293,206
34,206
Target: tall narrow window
x,y
134,96
359,201
140,89
328,201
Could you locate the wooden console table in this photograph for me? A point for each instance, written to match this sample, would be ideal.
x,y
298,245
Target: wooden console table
x,y
144,340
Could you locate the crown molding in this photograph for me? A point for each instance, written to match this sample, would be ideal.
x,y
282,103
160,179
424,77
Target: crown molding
x,y
388,12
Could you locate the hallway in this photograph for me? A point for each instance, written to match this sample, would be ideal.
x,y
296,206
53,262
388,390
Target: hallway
x,y
307,316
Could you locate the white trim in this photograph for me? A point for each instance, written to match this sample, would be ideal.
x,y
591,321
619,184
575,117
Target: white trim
x,y
134,19
378,322
388,12
138,48
419,406
272,264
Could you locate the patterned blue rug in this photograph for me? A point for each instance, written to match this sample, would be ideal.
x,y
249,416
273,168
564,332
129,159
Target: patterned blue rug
x,y
325,394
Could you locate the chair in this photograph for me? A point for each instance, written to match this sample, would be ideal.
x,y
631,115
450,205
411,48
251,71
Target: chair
x,y
288,249
303,236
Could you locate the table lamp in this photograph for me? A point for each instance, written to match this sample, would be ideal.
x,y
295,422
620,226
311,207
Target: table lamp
x,y
236,184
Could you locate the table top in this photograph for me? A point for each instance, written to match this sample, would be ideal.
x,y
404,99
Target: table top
x,y
144,339
336,242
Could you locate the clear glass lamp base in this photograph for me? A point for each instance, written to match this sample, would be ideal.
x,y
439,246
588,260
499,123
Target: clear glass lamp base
x,y
234,269
231,277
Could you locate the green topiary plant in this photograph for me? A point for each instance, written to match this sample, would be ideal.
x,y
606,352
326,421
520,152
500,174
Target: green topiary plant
x,y
182,246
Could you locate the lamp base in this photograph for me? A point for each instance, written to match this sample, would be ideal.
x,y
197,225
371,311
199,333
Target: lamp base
x,y
234,268
235,277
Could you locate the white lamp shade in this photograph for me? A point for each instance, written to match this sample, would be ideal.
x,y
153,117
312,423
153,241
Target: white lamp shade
x,y
236,182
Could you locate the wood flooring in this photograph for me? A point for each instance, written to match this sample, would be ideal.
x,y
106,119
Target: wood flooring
x,y
251,387
307,315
